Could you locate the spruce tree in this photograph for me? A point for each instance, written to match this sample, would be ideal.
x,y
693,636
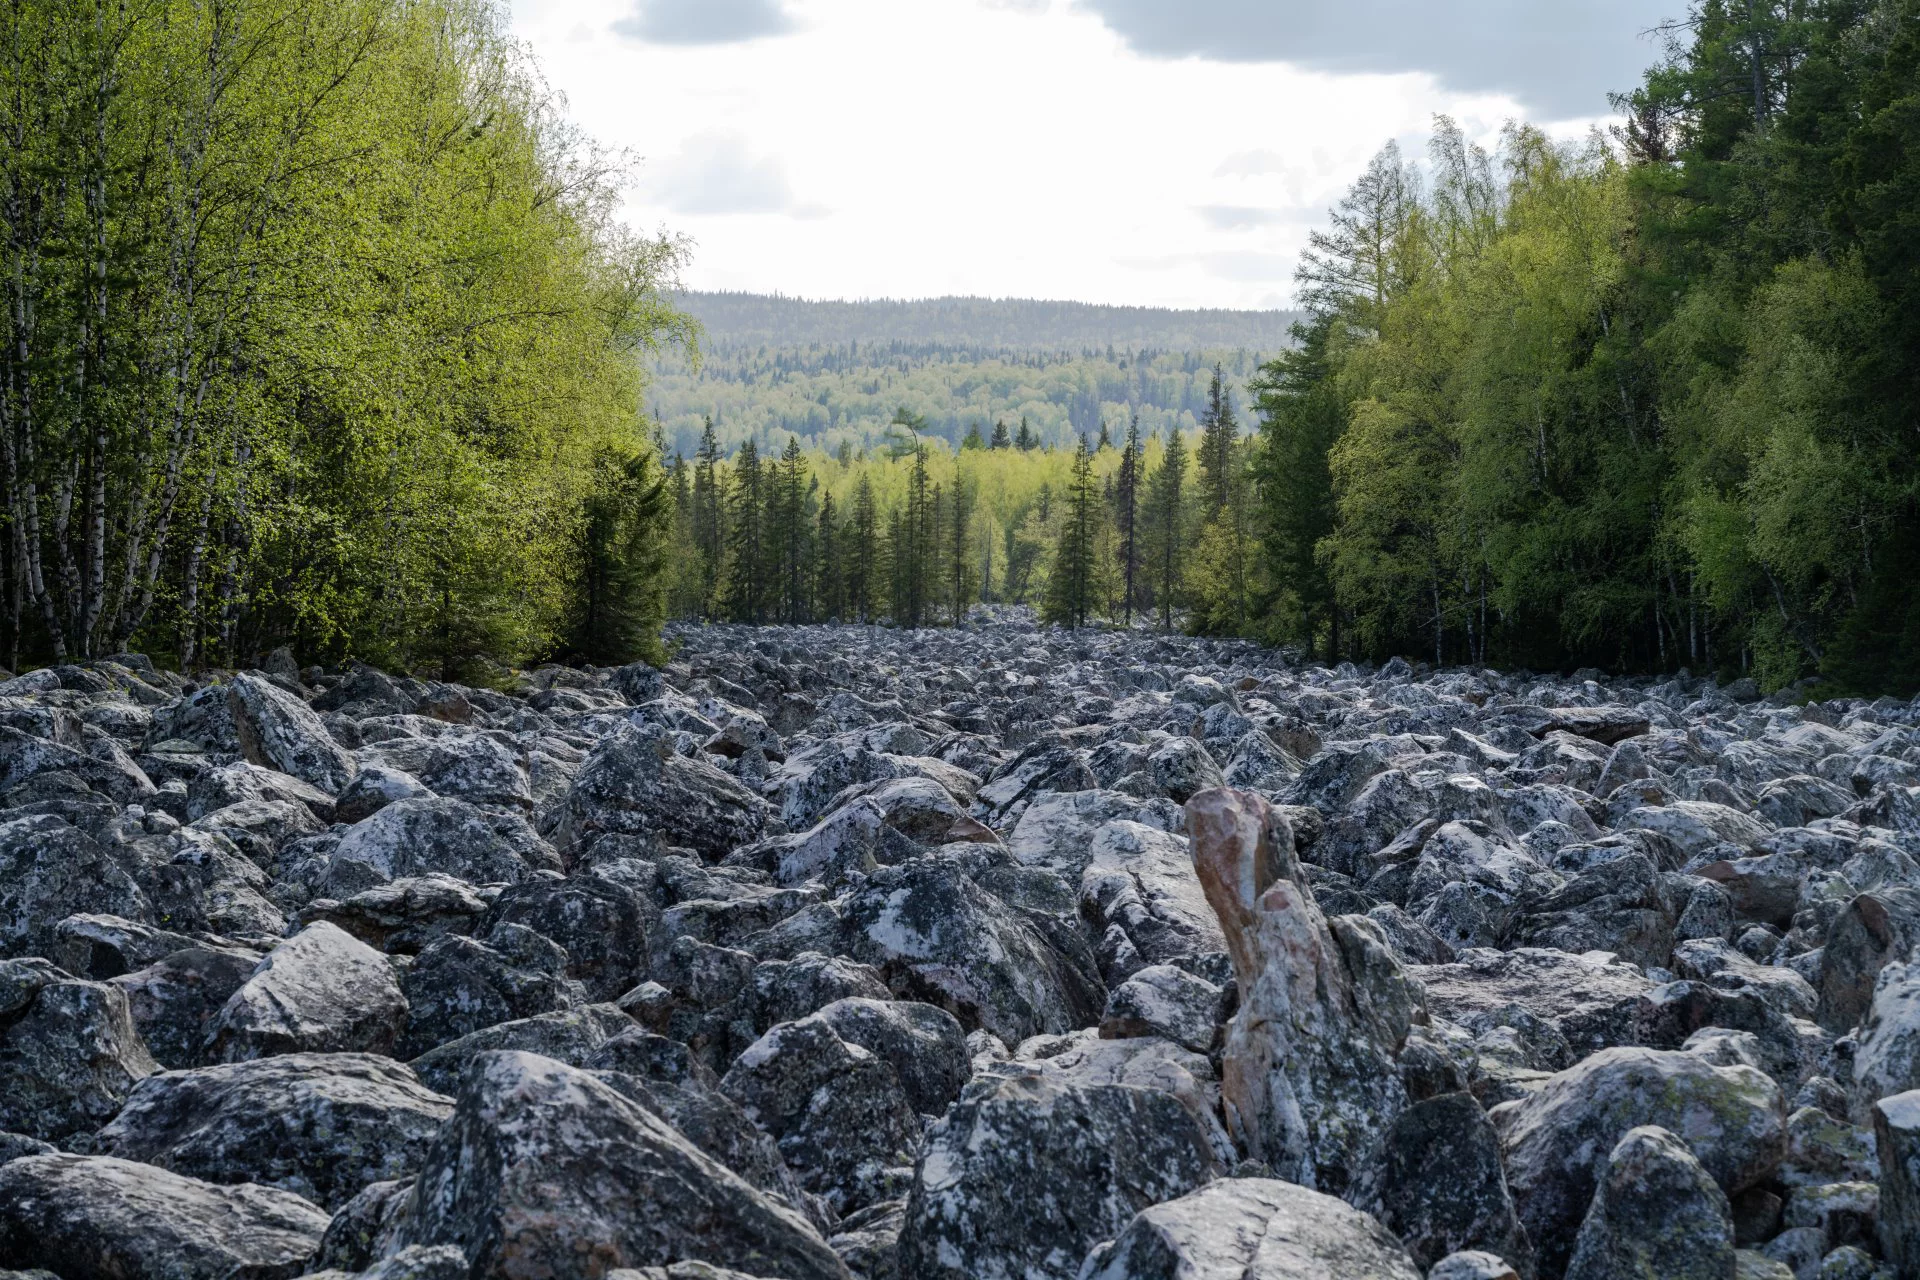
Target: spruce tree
x,y
622,596
973,440
1126,500
1166,510
1025,440
1001,439
1070,589
863,552
829,566
962,584
791,530
745,591
709,525
1218,435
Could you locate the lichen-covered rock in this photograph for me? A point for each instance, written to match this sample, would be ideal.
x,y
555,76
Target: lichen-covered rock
x,y
1163,1000
1654,1212
1441,1186
1308,1074
1896,1131
69,1054
320,991
281,732
604,927
545,1170
175,1000
459,985
635,784
571,1036
1874,929
1255,1229
322,1126
843,1123
1593,1001
1018,1183
418,837
49,871
98,1218
939,938
404,916
1558,1139
1140,896
924,1046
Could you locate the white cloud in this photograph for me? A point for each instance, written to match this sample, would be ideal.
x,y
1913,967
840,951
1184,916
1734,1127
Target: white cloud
x,y
704,21
882,148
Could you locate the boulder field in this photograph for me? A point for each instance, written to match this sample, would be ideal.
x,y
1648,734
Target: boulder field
x,y
991,953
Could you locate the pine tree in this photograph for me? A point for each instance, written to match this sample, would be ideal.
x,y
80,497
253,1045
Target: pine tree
x,y
1071,587
1001,440
1166,510
1126,501
745,591
709,524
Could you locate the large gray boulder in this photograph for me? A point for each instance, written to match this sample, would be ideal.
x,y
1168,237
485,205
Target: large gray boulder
x,y
69,1054
320,991
460,985
924,1046
98,1218
1656,1212
546,1170
321,1126
938,937
279,731
1020,1181
1558,1139
1441,1187
1251,1229
1141,898
49,871
424,836
635,784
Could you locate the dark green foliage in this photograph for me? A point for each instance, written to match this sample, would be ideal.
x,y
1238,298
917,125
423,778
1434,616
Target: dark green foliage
x,y
624,547
1070,599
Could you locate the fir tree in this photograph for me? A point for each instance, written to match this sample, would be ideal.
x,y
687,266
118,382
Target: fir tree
x,y
1001,439
1025,441
973,440
829,565
790,531
863,552
961,582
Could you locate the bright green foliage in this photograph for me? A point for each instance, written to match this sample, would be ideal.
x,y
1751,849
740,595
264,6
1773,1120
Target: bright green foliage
x,y
319,330
1645,407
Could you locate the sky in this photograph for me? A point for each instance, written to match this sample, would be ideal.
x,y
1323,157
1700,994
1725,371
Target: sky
x,y
1140,152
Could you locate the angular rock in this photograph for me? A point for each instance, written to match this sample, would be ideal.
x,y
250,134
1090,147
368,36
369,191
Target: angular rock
x,y
924,1046
321,1126
1140,883
176,999
49,871
545,1170
1558,1140
1308,1073
1018,1183
1441,1187
69,1054
634,784
603,926
422,837
1165,1001
1255,1229
279,731
98,1218
1655,1212
843,1123
1896,1132
320,991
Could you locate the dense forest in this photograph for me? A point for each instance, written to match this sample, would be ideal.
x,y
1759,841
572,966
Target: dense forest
x,y
321,331
829,396
1648,400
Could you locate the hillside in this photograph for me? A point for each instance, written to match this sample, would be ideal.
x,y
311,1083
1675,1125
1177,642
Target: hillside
x,y
836,372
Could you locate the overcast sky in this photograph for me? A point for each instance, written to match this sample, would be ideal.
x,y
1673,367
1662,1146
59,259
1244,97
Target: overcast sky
x,y
1151,152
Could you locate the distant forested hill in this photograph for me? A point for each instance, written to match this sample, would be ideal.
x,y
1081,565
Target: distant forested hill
x,y
1023,324
836,372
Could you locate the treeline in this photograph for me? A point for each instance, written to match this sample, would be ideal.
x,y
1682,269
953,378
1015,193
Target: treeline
x,y
319,330
1004,324
830,395
1644,403
1126,524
